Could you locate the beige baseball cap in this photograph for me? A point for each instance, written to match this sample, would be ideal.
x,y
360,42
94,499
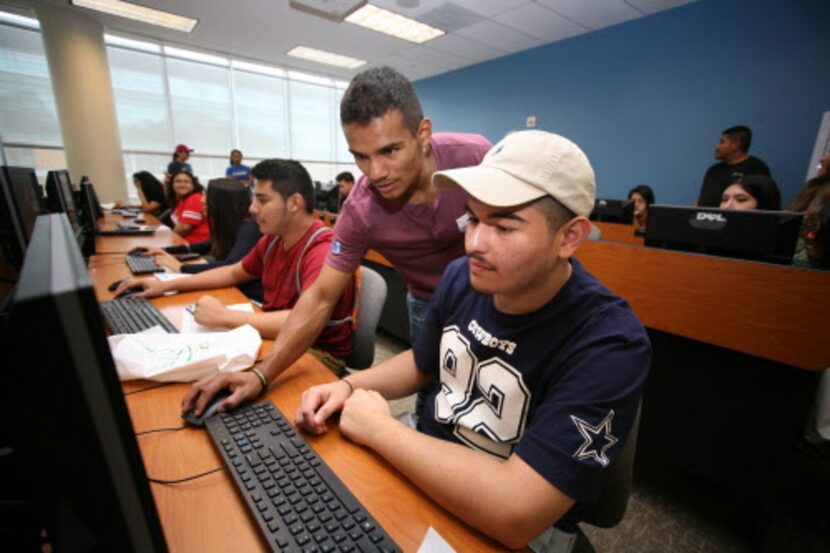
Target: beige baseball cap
x,y
525,166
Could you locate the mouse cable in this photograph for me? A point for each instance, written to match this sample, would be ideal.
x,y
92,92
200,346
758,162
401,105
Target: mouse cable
x,y
194,477
151,387
168,429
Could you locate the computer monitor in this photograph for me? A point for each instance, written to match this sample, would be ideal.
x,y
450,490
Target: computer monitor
x,y
71,427
19,207
613,211
327,197
746,234
98,210
61,195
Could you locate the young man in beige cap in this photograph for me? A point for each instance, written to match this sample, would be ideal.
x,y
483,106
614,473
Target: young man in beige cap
x,y
541,367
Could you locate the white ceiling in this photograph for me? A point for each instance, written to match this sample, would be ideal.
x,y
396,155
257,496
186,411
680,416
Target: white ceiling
x,y
478,30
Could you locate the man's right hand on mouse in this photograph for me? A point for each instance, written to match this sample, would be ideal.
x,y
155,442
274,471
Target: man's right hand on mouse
x,y
152,288
244,386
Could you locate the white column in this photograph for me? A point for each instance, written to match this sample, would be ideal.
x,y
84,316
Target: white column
x,y
74,45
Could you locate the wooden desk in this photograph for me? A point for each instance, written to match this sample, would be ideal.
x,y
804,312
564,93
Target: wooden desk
x,y
618,232
207,514
771,311
163,236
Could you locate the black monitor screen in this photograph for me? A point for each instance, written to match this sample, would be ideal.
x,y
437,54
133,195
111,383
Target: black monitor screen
x,y
746,234
61,195
72,430
613,211
20,208
88,209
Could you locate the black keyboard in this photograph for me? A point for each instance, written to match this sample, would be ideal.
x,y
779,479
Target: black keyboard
x,y
131,315
142,231
142,264
296,499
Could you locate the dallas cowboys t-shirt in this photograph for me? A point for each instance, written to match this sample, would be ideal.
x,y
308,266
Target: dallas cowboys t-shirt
x,y
559,386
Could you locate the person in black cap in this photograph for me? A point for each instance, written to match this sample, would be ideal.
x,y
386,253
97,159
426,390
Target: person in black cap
x,y
752,192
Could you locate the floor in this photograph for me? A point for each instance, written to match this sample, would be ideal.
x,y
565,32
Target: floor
x,y
672,511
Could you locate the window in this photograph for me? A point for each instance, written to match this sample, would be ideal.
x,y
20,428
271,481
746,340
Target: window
x,y
261,115
27,106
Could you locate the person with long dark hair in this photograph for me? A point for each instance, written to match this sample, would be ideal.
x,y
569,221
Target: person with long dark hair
x,y
752,192
151,194
232,235
188,215
642,196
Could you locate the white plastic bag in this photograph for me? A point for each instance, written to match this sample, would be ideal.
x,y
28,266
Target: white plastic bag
x,y
156,355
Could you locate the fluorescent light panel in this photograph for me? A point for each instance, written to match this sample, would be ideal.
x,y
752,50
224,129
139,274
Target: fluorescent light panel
x,y
394,24
139,13
321,56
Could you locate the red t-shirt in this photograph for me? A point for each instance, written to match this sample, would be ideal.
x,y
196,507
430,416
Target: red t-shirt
x,y
191,211
278,269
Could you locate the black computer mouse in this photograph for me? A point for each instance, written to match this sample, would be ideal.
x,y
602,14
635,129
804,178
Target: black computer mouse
x,y
140,250
210,410
129,292
115,284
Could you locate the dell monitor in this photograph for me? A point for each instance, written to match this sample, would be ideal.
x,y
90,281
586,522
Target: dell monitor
x,y
745,234
613,211
71,429
61,195
19,207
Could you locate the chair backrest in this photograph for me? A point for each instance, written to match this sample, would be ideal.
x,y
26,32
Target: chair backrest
x,y
609,508
370,306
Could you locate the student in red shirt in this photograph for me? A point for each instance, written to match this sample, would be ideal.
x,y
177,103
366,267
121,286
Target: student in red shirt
x,y
189,217
288,259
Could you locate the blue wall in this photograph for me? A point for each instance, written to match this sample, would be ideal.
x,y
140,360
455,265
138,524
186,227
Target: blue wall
x,y
647,99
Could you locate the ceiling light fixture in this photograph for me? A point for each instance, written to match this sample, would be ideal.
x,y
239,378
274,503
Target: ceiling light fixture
x,y
139,13
335,10
394,24
321,56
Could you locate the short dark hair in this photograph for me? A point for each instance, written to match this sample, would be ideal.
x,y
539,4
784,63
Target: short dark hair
x,y
288,177
741,134
346,176
643,190
374,92
554,211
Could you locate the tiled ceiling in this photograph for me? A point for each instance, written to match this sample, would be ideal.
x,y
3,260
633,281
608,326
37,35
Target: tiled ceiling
x,y
478,30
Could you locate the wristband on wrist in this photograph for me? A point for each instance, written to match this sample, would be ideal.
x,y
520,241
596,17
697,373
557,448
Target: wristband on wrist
x,y
262,380
349,384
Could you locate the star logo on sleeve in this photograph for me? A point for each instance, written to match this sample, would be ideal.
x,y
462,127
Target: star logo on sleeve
x,y
598,439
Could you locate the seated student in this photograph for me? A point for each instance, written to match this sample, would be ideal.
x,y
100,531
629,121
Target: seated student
x,y
541,367
232,235
752,192
812,249
345,183
150,194
238,171
188,217
288,259
642,196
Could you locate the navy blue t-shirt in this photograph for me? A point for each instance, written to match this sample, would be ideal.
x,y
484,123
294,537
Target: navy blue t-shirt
x,y
559,387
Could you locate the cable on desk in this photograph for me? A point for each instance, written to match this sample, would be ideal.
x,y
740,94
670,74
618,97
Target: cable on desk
x,y
167,429
187,479
151,387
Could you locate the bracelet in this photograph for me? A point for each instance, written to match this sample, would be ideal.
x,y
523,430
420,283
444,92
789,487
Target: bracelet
x,y
262,379
349,384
